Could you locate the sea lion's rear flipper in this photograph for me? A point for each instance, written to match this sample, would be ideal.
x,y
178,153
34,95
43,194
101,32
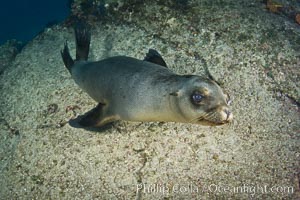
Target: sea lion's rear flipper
x,y
154,57
92,117
65,54
83,39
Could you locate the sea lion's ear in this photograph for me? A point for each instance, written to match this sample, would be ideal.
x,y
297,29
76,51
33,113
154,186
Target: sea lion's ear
x,y
208,74
154,57
213,79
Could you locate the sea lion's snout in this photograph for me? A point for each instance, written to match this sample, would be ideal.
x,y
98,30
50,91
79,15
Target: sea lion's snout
x,y
226,115
216,117
225,111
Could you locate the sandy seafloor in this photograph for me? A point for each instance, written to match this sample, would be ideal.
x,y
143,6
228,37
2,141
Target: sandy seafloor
x,y
254,53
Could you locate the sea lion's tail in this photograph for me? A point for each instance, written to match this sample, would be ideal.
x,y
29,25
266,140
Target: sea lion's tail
x,y
83,39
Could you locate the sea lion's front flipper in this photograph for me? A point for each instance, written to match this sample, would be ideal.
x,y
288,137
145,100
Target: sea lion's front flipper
x,y
154,57
92,117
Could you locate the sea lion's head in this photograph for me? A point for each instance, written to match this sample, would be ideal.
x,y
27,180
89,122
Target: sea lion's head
x,y
201,100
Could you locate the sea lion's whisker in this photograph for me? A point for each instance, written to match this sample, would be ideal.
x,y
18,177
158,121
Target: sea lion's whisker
x,y
209,116
196,119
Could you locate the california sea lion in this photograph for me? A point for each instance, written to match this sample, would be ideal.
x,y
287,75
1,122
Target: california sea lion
x,y
143,90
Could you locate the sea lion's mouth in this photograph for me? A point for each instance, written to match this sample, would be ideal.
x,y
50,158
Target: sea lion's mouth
x,y
209,122
205,122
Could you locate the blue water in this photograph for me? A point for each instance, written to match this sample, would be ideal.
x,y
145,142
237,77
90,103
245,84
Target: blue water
x,y
24,19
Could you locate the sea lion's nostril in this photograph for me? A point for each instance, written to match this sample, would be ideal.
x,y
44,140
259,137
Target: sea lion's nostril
x,y
228,114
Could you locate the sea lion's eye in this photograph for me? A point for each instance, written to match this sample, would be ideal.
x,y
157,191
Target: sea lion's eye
x,y
197,97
